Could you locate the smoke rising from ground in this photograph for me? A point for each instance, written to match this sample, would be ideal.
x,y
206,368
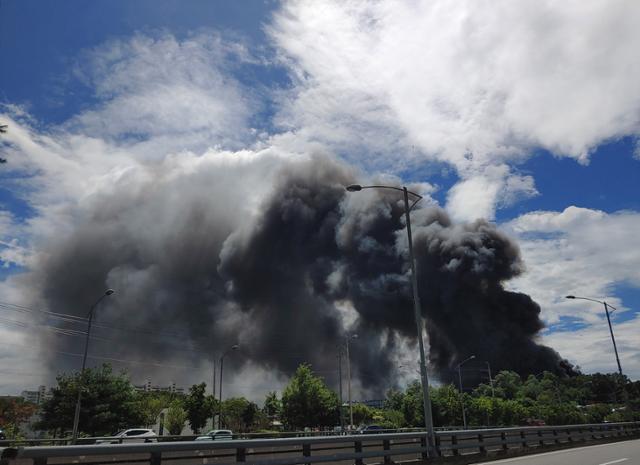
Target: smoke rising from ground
x,y
274,254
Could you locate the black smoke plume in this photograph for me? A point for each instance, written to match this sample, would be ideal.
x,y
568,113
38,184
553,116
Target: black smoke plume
x,y
198,267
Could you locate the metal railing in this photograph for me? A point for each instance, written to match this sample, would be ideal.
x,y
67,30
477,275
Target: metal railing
x,y
68,440
374,448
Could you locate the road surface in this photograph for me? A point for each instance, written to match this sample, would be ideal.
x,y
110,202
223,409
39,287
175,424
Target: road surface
x,y
623,453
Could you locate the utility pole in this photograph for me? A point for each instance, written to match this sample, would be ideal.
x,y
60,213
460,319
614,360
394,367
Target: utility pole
x,y
76,416
464,414
426,398
349,383
493,392
233,347
213,385
340,388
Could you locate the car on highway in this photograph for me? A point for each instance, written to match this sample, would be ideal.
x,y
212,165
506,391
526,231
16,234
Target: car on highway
x,y
128,436
370,429
217,435
2,435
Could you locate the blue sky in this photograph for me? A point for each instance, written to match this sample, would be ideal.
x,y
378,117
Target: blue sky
x,y
524,114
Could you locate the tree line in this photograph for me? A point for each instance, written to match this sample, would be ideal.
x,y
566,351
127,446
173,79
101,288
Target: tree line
x,y
111,403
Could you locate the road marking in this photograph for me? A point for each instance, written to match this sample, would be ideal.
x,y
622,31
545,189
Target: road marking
x,y
614,461
563,451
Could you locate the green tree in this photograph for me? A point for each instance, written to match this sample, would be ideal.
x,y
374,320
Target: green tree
x,y
362,414
507,384
197,407
151,405
412,406
307,401
175,418
242,415
272,406
394,399
13,411
446,407
389,418
109,403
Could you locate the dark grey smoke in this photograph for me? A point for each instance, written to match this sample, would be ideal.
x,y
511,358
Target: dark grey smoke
x,y
193,257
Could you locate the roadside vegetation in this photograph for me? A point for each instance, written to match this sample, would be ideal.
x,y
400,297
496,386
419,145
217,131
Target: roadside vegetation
x,y
110,403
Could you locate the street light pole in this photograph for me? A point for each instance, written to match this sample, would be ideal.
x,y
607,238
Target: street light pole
x,y
76,416
493,393
464,414
213,386
347,341
428,416
606,310
225,353
613,339
340,388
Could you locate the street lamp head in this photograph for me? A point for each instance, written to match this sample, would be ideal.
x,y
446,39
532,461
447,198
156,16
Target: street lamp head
x,y
109,292
472,357
354,188
235,347
353,336
570,297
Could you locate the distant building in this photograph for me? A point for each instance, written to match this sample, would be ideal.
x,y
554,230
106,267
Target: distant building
x,y
148,387
36,397
374,403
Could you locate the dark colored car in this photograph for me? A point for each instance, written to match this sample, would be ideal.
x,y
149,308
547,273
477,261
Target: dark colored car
x,y
370,429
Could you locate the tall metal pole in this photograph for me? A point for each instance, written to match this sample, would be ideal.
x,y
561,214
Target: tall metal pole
x,y
493,392
613,339
428,419
220,391
464,414
213,385
213,389
340,387
349,385
76,416
426,404
224,354
606,310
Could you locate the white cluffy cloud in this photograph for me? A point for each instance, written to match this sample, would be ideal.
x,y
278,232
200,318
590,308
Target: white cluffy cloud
x,y
159,93
472,83
586,253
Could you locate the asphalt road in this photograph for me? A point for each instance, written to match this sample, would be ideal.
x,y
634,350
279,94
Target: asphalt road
x,y
623,453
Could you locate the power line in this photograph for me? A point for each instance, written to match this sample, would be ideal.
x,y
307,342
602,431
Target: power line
x,y
76,319
112,359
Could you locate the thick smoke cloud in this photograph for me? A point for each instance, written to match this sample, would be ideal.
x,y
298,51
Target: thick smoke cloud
x,y
276,255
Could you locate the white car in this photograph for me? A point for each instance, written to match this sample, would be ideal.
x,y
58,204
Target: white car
x,y
130,435
217,435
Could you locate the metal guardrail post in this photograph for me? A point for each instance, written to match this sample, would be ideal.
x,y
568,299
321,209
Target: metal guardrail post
x,y
424,443
40,461
306,451
436,444
241,454
569,437
156,458
357,447
540,440
523,436
454,444
482,449
503,439
386,445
